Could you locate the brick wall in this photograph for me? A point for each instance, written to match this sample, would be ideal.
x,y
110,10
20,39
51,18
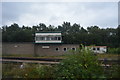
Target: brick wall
x,y
18,49
51,51
31,49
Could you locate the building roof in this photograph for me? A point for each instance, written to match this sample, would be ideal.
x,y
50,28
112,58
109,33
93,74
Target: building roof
x,y
96,46
48,32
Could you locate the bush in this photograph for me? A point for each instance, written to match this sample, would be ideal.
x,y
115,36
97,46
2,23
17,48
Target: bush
x,y
82,64
45,71
115,70
114,50
13,70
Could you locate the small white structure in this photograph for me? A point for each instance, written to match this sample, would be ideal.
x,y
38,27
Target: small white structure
x,y
48,37
98,49
21,66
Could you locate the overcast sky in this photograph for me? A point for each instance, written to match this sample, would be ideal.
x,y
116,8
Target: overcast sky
x,y
102,14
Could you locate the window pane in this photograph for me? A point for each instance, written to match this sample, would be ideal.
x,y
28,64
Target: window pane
x,y
52,38
65,49
55,38
98,48
57,49
37,38
42,38
47,38
59,38
73,48
94,48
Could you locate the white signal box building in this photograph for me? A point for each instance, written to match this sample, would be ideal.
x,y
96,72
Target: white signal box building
x,y
98,49
48,37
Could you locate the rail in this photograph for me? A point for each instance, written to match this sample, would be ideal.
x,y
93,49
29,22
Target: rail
x,y
48,60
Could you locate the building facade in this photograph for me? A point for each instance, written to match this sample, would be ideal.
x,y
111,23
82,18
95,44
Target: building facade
x,y
48,37
50,43
46,44
31,49
98,49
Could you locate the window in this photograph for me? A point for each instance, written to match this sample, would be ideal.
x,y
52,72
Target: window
x,y
46,47
52,38
65,49
73,49
48,38
42,38
37,38
55,38
57,49
98,49
94,48
59,38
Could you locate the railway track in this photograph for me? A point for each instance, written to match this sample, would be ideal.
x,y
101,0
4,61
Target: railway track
x,y
33,58
48,60
30,60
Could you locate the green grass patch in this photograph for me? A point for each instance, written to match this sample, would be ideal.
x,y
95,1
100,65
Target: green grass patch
x,y
111,56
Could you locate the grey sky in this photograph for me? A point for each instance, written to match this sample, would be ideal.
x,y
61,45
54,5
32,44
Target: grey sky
x,y
103,14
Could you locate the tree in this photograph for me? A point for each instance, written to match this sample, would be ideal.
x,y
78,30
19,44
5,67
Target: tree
x,y
66,27
51,28
72,34
118,35
13,28
42,27
75,28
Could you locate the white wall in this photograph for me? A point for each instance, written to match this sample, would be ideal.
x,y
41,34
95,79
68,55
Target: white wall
x,y
44,34
102,49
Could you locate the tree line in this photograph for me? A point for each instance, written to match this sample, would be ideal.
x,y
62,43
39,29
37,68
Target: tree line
x,y
71,34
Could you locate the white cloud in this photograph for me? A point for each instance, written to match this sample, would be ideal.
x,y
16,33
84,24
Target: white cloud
x,y
60,0
86,14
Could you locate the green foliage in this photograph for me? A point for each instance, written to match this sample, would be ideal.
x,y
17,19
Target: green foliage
x,y
115,71
74,34
14,71
28,71
114,50
82,64
45,71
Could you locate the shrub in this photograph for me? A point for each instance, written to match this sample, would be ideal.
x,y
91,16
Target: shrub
x,y
115,70
45,71
82,64
13,70
114,50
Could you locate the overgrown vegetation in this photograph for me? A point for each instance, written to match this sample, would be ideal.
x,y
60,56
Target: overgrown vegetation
x,y
114,50
113,72
108,56
81,64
